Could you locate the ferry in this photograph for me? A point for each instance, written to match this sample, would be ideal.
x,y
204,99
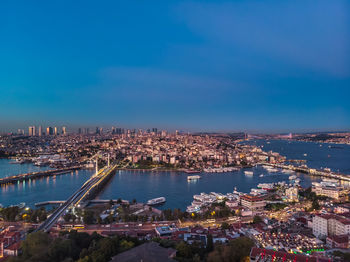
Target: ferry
x,y
265,186
248,173
193,177
192,171
287,171
292,177
156,201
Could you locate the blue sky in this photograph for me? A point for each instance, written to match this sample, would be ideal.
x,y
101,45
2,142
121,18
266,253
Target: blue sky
x,y
213,65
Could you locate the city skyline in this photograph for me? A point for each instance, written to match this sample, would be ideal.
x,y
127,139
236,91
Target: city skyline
x,y
219,66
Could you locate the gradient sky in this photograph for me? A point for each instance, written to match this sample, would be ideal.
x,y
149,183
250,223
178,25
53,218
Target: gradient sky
x,y
228,66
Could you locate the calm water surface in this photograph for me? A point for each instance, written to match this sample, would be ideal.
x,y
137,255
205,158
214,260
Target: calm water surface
x,y
173,185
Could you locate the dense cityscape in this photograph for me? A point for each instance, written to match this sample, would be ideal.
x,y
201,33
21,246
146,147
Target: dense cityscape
x,y
280,219
174,131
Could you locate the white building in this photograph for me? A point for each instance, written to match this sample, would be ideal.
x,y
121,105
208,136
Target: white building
x,y
324,225
292,194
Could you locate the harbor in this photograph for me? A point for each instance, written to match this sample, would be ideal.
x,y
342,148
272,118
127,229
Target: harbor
x,y
174,186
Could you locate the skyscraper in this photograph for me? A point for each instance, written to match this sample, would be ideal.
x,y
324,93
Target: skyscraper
x,y
64,131
40,131
56,131
31,131
49,130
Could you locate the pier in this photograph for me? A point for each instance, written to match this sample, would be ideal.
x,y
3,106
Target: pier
x,y
311,171
35,175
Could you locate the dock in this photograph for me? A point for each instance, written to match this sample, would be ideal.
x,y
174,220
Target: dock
x,y
35,175
311,171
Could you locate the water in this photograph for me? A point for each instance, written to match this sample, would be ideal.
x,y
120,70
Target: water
x,y
48,188
173,185
179,192
8,169
318,155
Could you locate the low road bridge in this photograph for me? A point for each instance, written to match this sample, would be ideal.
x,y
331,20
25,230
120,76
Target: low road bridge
x,y
78,197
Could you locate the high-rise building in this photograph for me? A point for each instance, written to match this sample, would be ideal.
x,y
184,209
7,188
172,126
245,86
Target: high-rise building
x,y
79,131
56,131
49,131
154,130
64,130
31,131
40,131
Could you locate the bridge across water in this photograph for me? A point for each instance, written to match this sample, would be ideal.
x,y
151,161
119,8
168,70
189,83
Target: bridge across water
x,y
35,175
84,193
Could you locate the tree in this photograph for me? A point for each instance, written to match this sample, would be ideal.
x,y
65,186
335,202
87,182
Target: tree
x,y
183,250
210,243
235,251
225,226
88,217
67,217
35,245
257,219
315,205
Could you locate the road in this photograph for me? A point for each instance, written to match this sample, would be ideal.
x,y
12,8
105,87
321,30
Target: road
x,y
76,198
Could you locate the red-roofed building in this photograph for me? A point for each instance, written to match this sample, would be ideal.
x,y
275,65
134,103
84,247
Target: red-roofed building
x,y
264,255
253,202
338,241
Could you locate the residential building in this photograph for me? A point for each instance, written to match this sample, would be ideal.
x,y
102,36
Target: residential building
x,y
253,202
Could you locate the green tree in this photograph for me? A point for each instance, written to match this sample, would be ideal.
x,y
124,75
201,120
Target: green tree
x,y
35,245
235,251
225,226
257,219
210,243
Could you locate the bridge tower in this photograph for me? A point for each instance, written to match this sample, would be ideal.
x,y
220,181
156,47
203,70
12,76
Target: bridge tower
x,y
96,165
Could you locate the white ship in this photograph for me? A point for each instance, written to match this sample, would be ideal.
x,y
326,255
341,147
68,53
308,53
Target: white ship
x,y
292,177
193,177
248,173
156,201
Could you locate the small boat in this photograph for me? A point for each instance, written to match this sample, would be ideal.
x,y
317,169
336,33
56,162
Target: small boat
x,y
248,173
305,154
292,177
193,177
156,201
262,175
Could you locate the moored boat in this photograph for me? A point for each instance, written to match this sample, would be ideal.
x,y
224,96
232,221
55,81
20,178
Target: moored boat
x,y
156,201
